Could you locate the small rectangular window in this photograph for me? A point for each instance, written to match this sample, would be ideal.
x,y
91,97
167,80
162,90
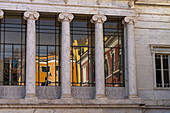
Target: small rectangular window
x,y
162,65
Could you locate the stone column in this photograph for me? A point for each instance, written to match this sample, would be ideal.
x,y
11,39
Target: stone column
x,y
132,77
65,18
31,17
99,55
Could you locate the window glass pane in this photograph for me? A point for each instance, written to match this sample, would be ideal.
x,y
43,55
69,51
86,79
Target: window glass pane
x,y
166,79
12,49
114,65
162,70
158,78
48,37
82,52
13,18
158,61
165,62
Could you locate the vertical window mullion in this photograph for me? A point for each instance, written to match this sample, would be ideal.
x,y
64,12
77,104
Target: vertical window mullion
x,y
12,65
55,52
4,52
113,62
72,24
169,69
80,70
47,67
123,55
21,54
0,44
119,61
162,71
59,58
105,74
39,51
88,53
154,64
25,51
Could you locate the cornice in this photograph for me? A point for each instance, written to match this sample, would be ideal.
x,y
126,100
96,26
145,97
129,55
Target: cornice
x,y
71,5
152,3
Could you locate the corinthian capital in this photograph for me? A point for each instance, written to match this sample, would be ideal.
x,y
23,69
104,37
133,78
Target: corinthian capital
x,y
31,15
65,17
1,14
98,19
130,20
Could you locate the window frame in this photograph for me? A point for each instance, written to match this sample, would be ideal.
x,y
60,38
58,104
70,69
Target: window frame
x,y
13,23
161,49
121,37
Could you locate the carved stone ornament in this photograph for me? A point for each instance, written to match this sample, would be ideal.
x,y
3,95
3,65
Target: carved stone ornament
x,y
14,92
98,19
130,4
66,1
99,2
130,19
1,14
65,17
31,15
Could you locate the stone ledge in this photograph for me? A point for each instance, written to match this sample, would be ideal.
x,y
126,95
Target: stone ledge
x,y
72,102
156,102
74,9
152,3
69,104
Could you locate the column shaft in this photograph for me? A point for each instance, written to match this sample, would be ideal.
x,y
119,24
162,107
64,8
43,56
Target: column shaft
x,y
31,17
30,58
99,55
132,77
65,60
99,60
65,18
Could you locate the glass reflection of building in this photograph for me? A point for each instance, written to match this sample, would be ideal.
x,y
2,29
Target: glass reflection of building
x,y
114,55
48,51
12,49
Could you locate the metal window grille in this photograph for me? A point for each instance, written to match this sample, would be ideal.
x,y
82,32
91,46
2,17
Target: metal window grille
x,y
48,53
162,66
82,51
114,52
12,49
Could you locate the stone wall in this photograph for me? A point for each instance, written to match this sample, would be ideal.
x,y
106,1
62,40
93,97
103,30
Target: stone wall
x,y
153,27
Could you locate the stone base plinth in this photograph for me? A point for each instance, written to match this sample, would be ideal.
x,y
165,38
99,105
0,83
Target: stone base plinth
x,y
66,96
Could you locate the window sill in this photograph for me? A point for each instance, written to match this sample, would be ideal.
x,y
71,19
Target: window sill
x,y
161,88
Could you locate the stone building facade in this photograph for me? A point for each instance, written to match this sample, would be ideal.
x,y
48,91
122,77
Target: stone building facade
x,y
143,48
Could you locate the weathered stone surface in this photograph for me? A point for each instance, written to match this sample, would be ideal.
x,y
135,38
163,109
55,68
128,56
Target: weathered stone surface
x,y
71,111
153,27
